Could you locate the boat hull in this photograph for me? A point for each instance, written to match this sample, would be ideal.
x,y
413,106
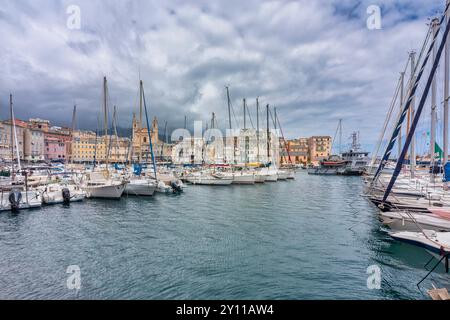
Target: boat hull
x,y
140,189
105,191
30,200
243,179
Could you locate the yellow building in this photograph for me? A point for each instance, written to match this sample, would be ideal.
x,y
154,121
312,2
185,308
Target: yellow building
x,y
141,146
298,151
86,147
319,148
119,150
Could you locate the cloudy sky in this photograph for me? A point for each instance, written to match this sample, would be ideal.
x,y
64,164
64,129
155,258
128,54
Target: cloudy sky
x,y
315,60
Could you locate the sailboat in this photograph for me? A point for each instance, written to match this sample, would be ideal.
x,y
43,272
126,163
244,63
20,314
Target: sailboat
x,y
17,196
58,193
100,184
435,243
140,185
209,178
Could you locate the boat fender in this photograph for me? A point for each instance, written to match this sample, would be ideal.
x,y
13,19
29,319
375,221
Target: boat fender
x,y
15,197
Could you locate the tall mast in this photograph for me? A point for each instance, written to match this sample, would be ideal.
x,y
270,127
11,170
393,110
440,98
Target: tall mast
x,y
268,135
140,104
446,95
141,93
257,128
275,115
105,118
229,107
435,26
149,135
245,114
412,152
402,84
12,133
286,145
117,148
340,136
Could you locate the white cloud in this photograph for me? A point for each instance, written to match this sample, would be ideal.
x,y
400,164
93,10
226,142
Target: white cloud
x,y
314,60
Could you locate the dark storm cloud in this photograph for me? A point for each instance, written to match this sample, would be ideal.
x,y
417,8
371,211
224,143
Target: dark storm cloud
x,y
314,60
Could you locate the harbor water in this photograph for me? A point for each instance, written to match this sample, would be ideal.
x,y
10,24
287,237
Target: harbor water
x,y
312,238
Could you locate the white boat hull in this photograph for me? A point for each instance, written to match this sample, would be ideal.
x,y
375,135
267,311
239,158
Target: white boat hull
x,y
210,181
400,221
243,179
30,200
259,178
114,191
144,188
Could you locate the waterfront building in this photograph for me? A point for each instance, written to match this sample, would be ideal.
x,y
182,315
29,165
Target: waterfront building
x,y
119,149
39,124
59,140
241,147
86,147
306,150
189,151
5,139
55,149
319,148
140,144
298,152
34,145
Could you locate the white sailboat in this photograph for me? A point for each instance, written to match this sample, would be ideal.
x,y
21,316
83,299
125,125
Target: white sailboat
x,y
282,175
269,174
409,221
15,196
61,193
436,243
141,187
18,199
243,177
100,185
205,178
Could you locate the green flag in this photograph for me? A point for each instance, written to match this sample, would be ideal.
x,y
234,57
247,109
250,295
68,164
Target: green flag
x,y
438,153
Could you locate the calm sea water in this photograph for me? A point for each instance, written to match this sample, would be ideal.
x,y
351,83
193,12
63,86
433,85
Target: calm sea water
x,y
312,238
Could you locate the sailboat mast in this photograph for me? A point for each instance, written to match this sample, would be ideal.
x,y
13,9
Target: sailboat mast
x,y
412,152
402,84
268,135
257,129
435,26
140,104
141,93
229,107
105,117
446,95
12,141
275,115
286,145
149,135
340,136
245,114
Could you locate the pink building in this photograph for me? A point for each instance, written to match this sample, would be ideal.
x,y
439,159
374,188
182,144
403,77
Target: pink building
x,y
55,149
